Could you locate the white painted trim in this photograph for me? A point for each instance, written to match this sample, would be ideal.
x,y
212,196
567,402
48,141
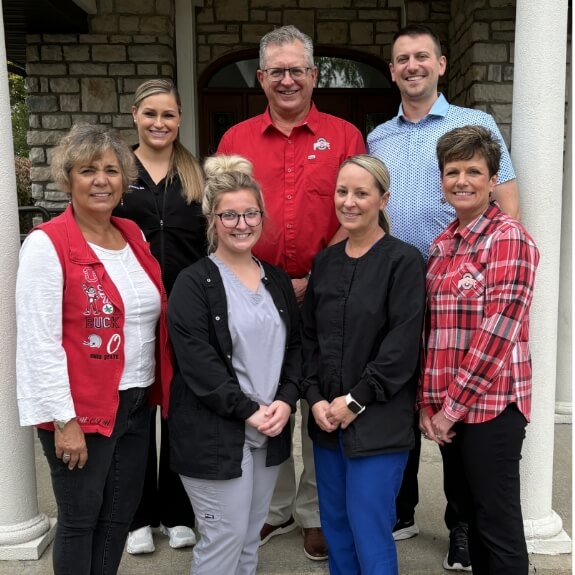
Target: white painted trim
x,y
89,6
186,72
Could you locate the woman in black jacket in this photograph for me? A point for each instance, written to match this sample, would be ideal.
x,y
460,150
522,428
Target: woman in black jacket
x,y
165,201
362,320
234,326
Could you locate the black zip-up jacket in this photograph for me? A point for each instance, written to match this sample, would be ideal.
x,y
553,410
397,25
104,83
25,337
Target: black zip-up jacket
x,y
175,229
208,409
362,320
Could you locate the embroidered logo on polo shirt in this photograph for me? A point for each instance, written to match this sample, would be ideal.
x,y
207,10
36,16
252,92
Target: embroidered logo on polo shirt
x,y
321,144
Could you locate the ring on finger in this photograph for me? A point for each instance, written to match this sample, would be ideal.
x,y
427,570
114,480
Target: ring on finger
x,y
66,457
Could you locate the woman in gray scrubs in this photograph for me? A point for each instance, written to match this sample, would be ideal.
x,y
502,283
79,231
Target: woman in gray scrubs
x,y
235,330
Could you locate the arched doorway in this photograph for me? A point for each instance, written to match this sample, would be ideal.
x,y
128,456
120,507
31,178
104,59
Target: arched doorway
x,y
352,85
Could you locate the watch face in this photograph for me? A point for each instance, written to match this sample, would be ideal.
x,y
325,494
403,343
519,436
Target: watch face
x,y
354,407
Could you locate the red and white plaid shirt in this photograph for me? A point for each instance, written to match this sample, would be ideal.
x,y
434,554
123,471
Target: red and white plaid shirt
x,y
476,357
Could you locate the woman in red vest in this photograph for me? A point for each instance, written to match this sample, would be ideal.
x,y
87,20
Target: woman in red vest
x,y
92,350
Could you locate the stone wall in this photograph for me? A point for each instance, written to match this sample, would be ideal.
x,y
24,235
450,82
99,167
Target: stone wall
x,y
77,78
225,26
480,70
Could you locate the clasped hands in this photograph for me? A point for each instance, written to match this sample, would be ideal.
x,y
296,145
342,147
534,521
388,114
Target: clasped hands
x,y
270,419
331,416
436,428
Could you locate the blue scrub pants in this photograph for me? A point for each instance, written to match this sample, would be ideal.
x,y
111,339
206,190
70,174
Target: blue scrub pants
x,y
357,508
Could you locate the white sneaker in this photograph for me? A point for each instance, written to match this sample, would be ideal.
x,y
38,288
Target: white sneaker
x,y
140,541
180,536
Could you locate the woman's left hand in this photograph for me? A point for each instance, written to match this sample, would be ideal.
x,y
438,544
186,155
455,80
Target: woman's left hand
x,y
339,414
277,415
442,428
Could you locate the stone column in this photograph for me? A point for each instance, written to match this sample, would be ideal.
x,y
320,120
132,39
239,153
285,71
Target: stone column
x,y
24,532
537,150
563,395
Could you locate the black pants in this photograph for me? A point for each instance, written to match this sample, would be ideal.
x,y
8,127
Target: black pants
x,y
164,499
457,495
487,456
96,504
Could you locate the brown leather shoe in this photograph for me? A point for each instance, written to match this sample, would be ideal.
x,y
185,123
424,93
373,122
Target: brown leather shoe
x,y
268,531
314,545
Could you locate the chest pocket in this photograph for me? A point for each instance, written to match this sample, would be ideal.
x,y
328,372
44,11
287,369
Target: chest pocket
x,y
468,281
319,177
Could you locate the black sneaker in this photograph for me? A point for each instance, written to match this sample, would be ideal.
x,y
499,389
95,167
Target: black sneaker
x,y
405,530
457,559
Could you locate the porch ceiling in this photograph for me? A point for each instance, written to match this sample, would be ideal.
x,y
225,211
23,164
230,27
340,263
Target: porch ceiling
x,y
23,17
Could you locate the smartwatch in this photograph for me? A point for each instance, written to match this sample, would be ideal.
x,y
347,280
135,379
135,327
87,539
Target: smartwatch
x,y
353,406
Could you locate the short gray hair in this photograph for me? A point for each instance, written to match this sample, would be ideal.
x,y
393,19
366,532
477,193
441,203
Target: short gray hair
x,y
286,35
86,143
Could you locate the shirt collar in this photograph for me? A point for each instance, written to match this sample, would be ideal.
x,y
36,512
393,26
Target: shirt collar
x,y
311,121
439,108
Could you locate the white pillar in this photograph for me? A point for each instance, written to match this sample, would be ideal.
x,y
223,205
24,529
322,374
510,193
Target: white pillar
x,y
24,532
185,12
537,150
563,394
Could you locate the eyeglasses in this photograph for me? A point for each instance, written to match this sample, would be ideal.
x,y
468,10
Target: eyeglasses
x,y
252,218
277,74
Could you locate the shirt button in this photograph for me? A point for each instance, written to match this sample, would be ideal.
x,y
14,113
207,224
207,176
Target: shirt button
x,y
289,226
289,141
217,318
229,356
289,170
208,280
289,197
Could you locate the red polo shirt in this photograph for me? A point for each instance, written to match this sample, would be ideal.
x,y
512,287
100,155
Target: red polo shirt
x,y
297,174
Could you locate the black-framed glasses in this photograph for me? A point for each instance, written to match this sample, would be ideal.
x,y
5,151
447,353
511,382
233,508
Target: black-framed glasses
x,y
277,74
252,218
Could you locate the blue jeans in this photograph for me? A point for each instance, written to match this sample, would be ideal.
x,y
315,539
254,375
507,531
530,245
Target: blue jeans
x,y
96,504
357,509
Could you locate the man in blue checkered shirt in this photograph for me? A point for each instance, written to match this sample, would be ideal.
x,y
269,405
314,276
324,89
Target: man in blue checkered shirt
x,y
418,214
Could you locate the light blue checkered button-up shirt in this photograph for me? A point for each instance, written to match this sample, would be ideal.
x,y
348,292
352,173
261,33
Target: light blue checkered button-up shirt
x,y
416,209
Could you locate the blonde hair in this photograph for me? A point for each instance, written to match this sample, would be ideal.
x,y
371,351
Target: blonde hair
x,y
182,162
225,174
380,175
85,143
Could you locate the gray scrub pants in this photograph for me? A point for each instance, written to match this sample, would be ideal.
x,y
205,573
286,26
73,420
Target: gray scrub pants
x,y
230,514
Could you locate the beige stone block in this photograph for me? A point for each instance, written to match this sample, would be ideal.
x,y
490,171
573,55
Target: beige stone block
x,y
128,24
122,121
32,53
495,14
508,73
494,72
167,70
252,33
84,118
475,73
120,39
365,3
275,17
155,25
258,16
164,7
206,16
503,36
64,85
220,50
301,19
502,3
87,69
40,173
60,197
361,33
387,28
332,33
274,4
59,38
167,39
418,11
37,156
391,15
42,104
109,53
121,69
78,53
491,93
479,31
44,84
37,191
93,39
158,53
135,6
484,52
337,14
212,28
106,24
32,84
225,39
56,122
503,25
232,10
51,53
69,103
105,119
502,113
126,103
99,95
43,69
105,6
144,39
34,121
147,69
204,54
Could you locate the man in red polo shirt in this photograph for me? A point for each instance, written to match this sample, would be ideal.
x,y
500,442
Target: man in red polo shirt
x,y
296,152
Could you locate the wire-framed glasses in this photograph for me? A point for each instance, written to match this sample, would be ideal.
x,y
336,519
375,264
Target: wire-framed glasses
x,y
252,218
277,74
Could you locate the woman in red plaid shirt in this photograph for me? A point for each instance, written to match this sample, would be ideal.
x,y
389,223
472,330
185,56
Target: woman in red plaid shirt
x,y
475,392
